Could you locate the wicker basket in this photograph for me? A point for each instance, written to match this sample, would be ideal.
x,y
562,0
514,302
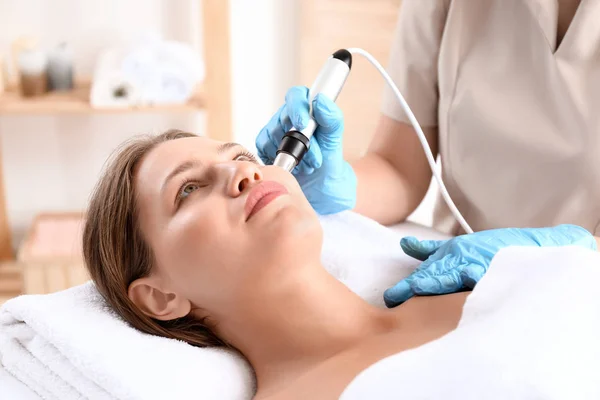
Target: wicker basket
x,y
51,256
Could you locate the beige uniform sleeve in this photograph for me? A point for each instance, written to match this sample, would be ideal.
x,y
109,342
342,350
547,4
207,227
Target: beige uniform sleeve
x,y
413,61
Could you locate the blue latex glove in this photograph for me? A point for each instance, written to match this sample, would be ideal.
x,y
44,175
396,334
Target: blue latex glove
x,y
459,263
328,182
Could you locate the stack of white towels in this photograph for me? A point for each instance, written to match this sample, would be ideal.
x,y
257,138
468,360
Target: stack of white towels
x,y
153,71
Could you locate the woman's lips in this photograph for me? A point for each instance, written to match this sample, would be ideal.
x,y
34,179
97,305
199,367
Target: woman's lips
x,y
261,195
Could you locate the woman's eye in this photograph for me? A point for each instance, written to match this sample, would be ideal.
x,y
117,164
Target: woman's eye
x,y
188,189
245,156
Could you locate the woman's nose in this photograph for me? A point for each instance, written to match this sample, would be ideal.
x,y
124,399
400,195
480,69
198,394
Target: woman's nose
x,y
244,174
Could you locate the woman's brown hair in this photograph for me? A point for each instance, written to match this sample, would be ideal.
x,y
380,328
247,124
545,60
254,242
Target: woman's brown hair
x,y
115,251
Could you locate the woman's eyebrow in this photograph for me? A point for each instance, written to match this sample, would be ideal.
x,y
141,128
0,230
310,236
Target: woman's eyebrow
x,y
180,169
190,164
226,146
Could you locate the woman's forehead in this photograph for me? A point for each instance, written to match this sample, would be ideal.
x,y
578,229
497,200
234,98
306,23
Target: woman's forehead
x,y
173,151
186,145
166,156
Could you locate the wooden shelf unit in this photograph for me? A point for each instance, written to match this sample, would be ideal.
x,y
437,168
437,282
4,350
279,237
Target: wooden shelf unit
x,y
77,101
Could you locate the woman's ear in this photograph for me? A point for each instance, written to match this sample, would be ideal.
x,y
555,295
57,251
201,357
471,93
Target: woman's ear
x,y
149,297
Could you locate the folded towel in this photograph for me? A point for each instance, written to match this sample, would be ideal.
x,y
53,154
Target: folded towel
x,y
529,330
111,87
11,388
69,345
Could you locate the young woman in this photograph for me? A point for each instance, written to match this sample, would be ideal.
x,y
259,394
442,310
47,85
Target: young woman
x,y
193,239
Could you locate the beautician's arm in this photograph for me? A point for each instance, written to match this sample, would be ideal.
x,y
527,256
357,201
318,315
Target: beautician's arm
x,y
393,177
597,241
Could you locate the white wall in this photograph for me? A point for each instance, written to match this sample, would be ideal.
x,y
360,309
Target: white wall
x,y
264,61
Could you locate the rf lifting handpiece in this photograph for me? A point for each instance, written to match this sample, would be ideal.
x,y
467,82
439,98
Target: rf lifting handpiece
x,y
329,82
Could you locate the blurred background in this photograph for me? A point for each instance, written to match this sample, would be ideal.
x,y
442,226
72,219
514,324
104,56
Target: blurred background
x,y
77,78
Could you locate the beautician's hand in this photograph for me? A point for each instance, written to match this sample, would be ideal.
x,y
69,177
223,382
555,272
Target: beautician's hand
x,y
451,265
328,181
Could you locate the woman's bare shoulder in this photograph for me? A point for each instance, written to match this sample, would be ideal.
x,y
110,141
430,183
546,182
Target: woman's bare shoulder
x,y
420,320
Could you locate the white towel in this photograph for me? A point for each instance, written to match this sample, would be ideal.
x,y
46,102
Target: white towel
x,y
111,86
529,330
68,345
166,71
151,71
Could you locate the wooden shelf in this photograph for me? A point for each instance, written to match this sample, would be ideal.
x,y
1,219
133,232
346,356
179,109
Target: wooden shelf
x,y
77,101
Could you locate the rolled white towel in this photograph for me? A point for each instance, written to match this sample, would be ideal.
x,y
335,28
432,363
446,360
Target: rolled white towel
x,y
186,58
167,72
111,87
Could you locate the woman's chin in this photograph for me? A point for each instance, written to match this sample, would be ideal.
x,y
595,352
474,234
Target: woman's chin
x,y
283,210
283,220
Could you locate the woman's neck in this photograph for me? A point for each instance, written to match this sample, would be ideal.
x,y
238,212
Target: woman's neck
x,y
288,330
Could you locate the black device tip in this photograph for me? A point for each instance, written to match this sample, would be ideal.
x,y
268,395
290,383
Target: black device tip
x,y
345,56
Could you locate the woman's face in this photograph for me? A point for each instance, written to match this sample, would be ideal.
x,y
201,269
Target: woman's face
x,y
220,225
